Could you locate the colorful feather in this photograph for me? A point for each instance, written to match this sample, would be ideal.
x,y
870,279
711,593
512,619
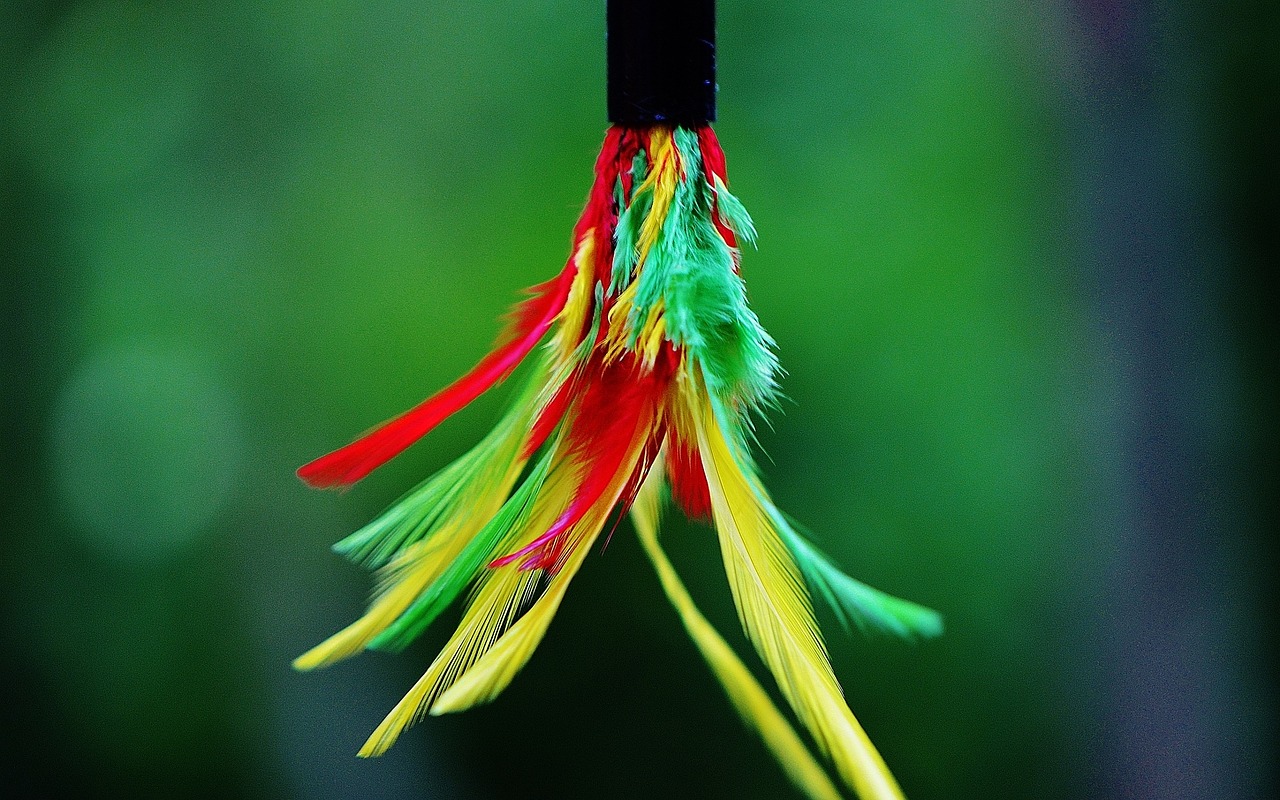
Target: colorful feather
x,y
744,691
651,368
775,610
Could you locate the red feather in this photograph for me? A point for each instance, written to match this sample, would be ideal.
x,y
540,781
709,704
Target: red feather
x,y
688,481
713,163
647,457
618,405
551,414
619,148
712,153
532,318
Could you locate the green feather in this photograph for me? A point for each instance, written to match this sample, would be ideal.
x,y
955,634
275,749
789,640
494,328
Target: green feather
x,y
852,600
733,212
627,229
691,269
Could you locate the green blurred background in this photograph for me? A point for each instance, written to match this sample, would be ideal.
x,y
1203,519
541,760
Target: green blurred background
x,y
1019,261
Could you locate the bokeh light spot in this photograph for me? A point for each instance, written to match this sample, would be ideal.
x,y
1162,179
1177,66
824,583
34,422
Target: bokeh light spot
x,y
147,445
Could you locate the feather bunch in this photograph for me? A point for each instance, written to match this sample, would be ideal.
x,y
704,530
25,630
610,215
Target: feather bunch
x,y
646,366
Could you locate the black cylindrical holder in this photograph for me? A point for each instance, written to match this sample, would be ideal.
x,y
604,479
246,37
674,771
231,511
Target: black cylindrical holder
x,y
662,62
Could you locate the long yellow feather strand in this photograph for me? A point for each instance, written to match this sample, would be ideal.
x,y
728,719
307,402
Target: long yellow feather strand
x,y
495,670
776,612
746,693
501,594
498,600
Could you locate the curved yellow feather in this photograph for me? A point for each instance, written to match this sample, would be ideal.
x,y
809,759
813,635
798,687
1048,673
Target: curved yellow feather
x,y
496,603
745,692
495,670
501,594
776,613
416,568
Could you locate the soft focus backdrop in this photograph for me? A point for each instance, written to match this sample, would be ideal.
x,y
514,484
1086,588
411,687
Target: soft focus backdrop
x,y
1016,258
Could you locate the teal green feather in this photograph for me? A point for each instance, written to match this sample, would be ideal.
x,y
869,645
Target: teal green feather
x,y
690,269
627,229
733,212
854,601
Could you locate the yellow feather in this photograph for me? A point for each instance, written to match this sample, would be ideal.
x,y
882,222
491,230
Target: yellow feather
x,y
776,612
662,177
501,594
499,598
746,693
619,331
572,318
654,334
495,670
415,569
649,338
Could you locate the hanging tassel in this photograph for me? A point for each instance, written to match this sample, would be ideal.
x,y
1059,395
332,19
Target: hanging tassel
x,y
647,367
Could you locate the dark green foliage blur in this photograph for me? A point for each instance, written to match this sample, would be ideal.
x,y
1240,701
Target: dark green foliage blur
x,y
1014,258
